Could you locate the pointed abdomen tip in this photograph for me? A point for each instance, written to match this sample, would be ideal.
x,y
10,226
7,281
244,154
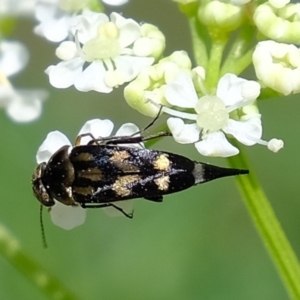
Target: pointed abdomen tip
x,y
205,172
241,172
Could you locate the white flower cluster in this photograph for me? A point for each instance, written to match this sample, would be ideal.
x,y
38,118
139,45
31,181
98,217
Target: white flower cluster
x,y
21,105
98,52
276,64
277,61
55,16
230,112
105,53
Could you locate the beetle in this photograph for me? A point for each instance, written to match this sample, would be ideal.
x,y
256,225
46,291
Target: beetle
x,y
103,172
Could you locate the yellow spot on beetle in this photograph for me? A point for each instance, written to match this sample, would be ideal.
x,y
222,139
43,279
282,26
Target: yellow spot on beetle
x,y
162,183
162,163
122,186
119,156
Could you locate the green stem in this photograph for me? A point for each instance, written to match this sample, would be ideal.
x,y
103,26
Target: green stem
x,y
219,42
242,44
238,65
15,255
268,227
266,223
199,44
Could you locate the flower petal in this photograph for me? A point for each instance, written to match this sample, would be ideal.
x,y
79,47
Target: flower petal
x,y
233,90
63,74
54,141
67,217
129,30
92,79
97,128
216,144
66,50
181,92
46,11
129,129
14,57
183,133
131,66
86,25
25,105
247,132
143,46
54,30
55,19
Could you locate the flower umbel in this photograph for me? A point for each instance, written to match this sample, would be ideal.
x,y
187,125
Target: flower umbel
x,y
230,112
106,52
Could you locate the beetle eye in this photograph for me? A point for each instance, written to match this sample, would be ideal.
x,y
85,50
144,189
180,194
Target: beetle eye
x,y
38,187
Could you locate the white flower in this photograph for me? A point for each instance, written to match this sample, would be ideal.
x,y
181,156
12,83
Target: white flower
x,y
69,217
20,105
223,15
106,52
150,83
278,66
55,16
280,22
54,22
14,56
228,113
17,7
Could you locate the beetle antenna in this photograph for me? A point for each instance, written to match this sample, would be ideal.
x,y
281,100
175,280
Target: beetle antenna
x,y
42,228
